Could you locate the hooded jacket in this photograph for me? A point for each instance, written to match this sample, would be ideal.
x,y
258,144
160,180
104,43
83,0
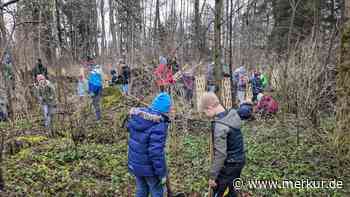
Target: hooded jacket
x,y
256,84
228,142
267,105
47,93
146,145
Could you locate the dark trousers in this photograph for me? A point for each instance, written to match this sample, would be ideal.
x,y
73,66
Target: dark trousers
x,y
96,103
255,97
225,180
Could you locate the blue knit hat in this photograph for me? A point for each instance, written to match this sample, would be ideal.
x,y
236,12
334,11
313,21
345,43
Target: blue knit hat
x,y
245,111
162,103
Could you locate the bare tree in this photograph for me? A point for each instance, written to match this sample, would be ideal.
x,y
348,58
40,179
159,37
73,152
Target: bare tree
x,y
217,48
343,86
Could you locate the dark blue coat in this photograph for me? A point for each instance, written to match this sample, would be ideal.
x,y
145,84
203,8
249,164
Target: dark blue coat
x,y
147,140
256,85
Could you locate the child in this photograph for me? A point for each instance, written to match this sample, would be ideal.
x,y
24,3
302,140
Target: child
x,y
256,85
146,147
82,87
245,110
125,79
95,82
228,147
114,79
46,97
267,106
241,88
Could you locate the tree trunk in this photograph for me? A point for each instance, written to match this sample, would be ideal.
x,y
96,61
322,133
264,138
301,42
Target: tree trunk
x,y
112,26
197,27
343,85
233,88
2,180
2,28
2,43
103,30
58,26
156,30
217,49
95,30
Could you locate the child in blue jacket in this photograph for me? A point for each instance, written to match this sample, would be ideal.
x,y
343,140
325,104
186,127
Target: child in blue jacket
x,y
146,146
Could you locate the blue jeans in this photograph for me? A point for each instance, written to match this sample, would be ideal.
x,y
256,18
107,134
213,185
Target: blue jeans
x,y
125,88
148,185
241,96
48,111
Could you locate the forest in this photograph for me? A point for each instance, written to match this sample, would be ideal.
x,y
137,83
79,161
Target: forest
x,y
80,79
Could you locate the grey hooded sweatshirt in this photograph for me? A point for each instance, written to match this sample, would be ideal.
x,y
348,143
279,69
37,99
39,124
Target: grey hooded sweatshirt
x,y
228,142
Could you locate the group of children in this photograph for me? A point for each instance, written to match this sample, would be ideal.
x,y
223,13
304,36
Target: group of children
x,y
261,104
148,129
45,91
123,79
147,141
148,132
258,82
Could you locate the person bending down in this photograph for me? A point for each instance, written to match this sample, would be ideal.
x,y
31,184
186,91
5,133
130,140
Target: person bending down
x,y
228,148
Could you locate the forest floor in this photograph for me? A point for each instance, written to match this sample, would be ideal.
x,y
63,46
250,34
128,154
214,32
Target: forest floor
x,y
56,166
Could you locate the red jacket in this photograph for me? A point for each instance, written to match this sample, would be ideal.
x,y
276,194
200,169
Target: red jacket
x,y
164,75
267,104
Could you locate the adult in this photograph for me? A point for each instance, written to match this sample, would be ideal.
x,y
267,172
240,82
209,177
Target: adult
x,y
47,98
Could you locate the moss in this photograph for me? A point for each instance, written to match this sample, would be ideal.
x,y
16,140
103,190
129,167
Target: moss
x,y
24,154
111,97
32,139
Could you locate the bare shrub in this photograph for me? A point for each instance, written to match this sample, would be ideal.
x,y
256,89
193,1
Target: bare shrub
x,y
305,84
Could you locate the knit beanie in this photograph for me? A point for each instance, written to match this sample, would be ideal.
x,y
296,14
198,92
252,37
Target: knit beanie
x,y
161,103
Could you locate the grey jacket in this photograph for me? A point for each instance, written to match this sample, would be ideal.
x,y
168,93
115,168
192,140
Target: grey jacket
x,y
224,137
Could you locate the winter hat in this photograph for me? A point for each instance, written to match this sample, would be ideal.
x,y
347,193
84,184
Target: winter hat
x,y
245,111
40,77
162,103
260,96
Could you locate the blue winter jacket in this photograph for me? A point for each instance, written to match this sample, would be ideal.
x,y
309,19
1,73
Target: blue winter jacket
x,y
95,81
147,139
